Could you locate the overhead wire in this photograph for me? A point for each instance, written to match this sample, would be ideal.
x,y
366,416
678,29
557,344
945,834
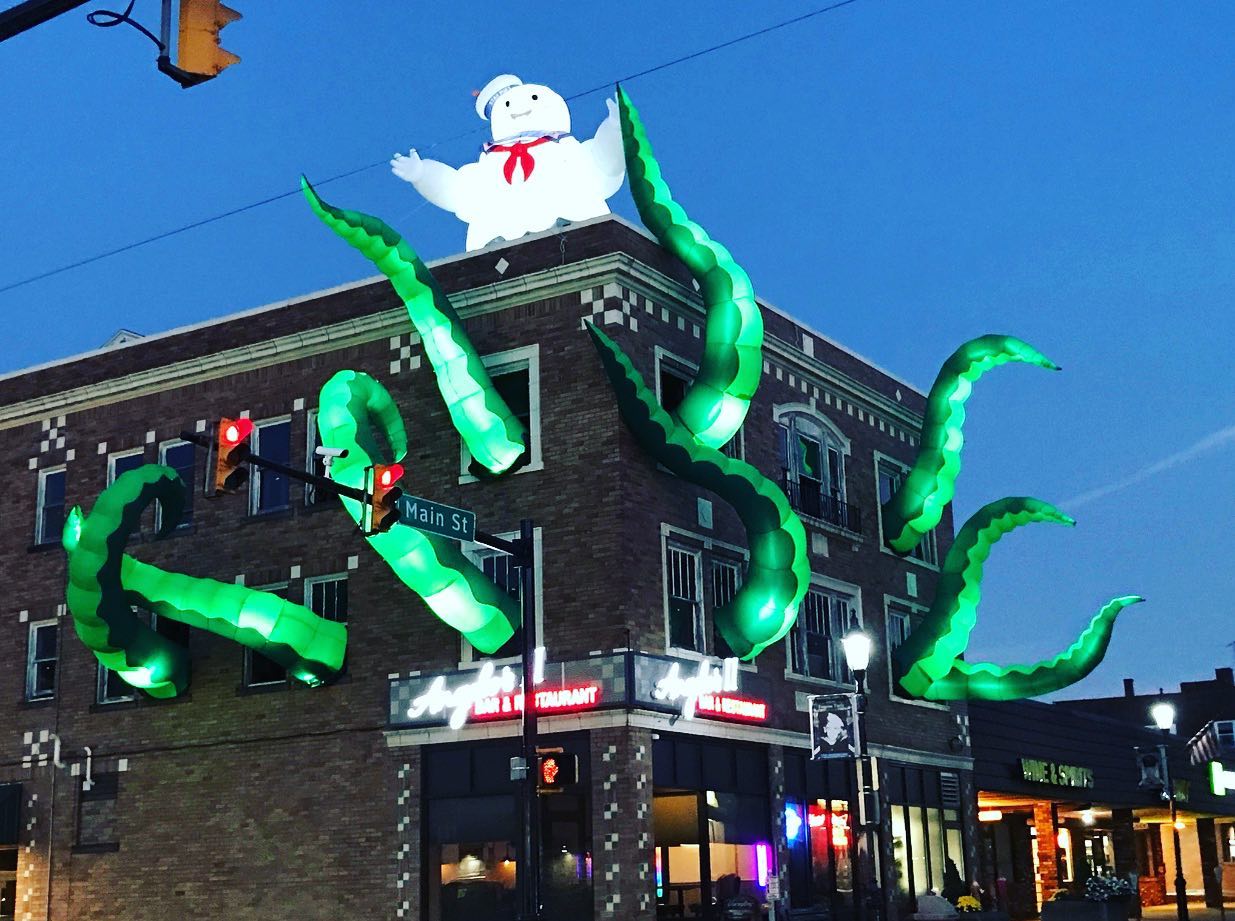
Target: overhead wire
x,y
711,49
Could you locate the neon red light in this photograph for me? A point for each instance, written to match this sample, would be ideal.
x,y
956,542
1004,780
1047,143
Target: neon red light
x,y
549,771
729,706
560,700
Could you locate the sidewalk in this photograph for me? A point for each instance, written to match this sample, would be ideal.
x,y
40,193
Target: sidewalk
x,y
1196,912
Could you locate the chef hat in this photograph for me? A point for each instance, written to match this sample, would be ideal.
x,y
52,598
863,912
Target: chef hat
x,y
493,89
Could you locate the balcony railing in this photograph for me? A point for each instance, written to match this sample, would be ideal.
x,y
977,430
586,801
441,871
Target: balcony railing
x,y
811,501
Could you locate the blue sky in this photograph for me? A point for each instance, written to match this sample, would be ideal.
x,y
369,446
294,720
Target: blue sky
x,y
901,176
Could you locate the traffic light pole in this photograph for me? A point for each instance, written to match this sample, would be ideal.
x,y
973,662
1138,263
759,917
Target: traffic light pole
x,y
18,19
528,879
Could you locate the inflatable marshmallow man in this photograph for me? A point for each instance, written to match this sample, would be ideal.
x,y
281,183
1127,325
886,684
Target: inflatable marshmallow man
x,y
532,175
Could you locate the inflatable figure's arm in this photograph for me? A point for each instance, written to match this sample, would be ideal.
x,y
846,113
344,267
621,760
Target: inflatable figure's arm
x,y
440,184
606,151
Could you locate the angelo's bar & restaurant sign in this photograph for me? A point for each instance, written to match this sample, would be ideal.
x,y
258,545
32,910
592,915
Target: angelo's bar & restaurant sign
x,y
1058,775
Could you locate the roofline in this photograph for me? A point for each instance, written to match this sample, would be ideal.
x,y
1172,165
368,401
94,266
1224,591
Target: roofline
x,y
445,260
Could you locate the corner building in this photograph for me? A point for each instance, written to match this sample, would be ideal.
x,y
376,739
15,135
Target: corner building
x,y
252,796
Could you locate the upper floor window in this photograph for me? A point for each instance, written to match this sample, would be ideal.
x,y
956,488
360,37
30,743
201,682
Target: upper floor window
x,y
508,576
726,579
813,463
684,593
815,649
49,515
516,378
181,456
259,670
269,491
673,378
122,462
891,475
42,660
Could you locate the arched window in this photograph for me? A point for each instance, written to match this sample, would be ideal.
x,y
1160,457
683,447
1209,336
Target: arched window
x,y
812,456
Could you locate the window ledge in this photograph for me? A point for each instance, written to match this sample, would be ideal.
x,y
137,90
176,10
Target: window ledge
x,y
274,514
44,547
530,467
928,704
37,703
246,690
106,706
818,682
822,524
110,848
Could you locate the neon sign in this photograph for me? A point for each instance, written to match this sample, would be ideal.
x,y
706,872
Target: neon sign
x,y
1221,781
709,681
732,707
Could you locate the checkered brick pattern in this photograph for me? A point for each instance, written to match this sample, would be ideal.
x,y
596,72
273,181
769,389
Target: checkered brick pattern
x,y
405,353
623,890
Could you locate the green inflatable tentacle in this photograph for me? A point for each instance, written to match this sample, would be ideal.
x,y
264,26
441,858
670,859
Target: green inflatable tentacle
x,y
493,434
716,403
104,583
919,503
350,406
928,662
986,681
778,573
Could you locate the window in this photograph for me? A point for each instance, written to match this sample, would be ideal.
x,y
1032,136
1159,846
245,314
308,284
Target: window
x,y
891,475
42,659
815,649
96,813
813,466
181,456
258,670
673,378
726,579
516,378
122,462
684,598
313,462
900,619
502,570
112,689
268,490
49,518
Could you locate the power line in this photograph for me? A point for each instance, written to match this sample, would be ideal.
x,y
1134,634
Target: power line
x,y
361,169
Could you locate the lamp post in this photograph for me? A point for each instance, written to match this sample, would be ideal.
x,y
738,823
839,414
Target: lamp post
x,y
1163,714
857,646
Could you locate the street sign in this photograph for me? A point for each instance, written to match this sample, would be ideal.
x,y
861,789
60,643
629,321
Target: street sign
x,y
833,726
436,518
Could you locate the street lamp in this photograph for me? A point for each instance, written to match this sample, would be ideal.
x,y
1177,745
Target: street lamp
x,y
1163,715
857,646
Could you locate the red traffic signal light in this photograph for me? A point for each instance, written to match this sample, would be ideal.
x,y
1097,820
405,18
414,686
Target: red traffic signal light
x,y
231,451
384,497
557,772
199,51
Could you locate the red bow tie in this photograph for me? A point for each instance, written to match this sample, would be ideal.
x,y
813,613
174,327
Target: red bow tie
x,y
520,155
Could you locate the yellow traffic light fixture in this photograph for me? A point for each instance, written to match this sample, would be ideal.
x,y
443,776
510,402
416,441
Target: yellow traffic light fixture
x,y
230,453
199,51
384,497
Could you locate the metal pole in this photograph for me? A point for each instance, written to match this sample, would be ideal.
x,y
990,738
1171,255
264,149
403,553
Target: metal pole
x,y
529,861
18,19
865,880
1168,791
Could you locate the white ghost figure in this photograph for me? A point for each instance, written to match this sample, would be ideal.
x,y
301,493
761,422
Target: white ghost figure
x,y
532,175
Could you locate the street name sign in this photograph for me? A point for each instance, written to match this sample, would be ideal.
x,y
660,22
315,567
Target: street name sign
x,y
436,518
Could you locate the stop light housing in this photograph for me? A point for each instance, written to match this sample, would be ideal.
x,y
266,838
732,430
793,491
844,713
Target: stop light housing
x,y
556,772
199,51
384,497
230,453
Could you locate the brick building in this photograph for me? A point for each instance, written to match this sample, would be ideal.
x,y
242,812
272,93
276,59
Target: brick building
x,y
252,796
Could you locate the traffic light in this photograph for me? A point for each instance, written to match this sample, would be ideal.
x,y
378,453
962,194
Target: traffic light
x,y
230,453
384,498
199,51
556,772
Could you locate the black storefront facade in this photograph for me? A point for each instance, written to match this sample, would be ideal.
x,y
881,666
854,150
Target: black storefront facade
x,y
682,814
1059,800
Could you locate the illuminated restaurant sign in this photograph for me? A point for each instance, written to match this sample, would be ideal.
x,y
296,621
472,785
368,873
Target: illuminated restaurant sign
x,y
1058,775
688,688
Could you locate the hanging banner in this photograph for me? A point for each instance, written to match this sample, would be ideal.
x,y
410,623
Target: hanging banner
x,y
833,726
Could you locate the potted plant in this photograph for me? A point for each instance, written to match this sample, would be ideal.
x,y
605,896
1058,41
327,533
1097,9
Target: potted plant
x,y
1106,898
